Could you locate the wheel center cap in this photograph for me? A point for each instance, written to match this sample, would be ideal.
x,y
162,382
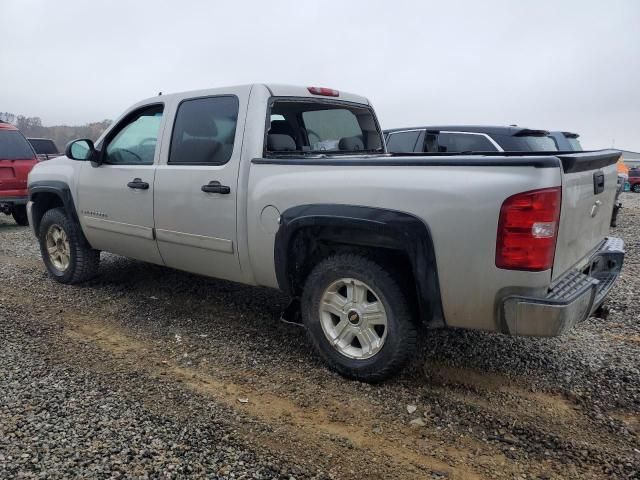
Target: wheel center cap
x,y
354,317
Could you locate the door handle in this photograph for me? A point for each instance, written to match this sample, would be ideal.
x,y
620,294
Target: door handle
x,y
138,184
215,187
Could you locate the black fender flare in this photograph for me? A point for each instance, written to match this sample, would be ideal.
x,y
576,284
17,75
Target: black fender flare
x,y
368,227
61,190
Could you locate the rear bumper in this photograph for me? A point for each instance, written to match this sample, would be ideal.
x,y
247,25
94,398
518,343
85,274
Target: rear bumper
x,y
13,200
571,299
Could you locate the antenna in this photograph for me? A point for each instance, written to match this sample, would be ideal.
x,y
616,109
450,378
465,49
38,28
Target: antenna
x,y
159,94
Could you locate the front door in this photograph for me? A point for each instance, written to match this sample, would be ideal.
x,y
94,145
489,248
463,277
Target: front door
x,y
196,188
115,199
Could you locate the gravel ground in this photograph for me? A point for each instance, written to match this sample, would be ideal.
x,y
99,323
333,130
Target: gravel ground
x,y
149,372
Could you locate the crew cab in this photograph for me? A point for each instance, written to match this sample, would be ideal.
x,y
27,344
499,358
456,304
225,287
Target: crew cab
x,y
292,188
17,158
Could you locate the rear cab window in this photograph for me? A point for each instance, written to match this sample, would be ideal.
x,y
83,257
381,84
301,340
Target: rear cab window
x,y
13,146
313,126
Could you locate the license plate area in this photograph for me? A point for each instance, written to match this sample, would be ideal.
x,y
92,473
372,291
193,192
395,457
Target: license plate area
x,y
6,173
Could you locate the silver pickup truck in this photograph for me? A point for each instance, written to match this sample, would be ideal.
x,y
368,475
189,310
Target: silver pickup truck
x,y
292,188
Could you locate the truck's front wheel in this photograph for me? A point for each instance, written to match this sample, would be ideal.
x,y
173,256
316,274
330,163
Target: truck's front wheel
x,y
358,318
65,253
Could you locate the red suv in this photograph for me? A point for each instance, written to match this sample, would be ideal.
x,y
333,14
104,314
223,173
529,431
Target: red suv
x,y
17,158
634,179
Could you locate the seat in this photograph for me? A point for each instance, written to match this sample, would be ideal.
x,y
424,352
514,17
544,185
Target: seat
x,y
197,143
351,144
280,143
281,127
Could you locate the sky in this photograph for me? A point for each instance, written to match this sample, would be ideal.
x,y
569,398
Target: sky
x,y
571,65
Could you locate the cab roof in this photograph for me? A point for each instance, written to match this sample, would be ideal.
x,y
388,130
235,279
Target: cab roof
x,y
275,89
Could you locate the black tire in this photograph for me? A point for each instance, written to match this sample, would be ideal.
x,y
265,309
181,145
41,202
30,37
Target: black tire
x,y
83,260
401,335
636,188
19,213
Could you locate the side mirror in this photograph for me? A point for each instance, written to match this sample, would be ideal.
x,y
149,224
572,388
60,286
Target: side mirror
x,y
81,149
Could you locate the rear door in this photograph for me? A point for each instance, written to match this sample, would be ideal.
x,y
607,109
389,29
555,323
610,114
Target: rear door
x,y
115,199
589,184
17,158
197,185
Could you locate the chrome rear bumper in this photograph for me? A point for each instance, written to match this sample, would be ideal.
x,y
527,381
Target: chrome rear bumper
x,y
570,300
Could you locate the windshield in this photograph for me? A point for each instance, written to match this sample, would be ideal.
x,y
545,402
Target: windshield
x,y
322,127
13,146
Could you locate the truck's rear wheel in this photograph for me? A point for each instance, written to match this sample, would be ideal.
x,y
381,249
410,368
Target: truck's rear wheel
x,y
19,213
636,188
358,318
66,254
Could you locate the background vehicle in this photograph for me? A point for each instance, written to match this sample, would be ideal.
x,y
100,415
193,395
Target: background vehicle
x,y
566,141
45,148
291,188
458,138
17,158
634,179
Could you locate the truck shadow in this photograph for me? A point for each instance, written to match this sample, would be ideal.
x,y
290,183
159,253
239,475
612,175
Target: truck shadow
x,y
168,301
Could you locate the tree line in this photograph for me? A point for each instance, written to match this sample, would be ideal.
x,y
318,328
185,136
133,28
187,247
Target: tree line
x,y
31,127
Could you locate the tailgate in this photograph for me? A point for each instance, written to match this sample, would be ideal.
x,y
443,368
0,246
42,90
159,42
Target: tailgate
x,y
589,183
13,174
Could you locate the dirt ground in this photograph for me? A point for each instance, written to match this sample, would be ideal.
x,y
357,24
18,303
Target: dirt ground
x,y
202,353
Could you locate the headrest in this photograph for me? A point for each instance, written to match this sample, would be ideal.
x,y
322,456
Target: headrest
x,y
280,143
351,143
199,126
280,127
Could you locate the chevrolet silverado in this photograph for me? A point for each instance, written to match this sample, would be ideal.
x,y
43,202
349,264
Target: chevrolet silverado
x,y
292,188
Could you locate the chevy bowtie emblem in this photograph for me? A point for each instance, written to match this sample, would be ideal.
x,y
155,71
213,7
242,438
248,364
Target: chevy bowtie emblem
x,y
353,317
595,208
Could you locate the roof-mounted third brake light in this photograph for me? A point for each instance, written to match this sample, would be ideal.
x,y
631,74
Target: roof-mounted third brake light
x,y
325,92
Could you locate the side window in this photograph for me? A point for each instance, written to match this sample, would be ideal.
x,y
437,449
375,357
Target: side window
x,y
204,131
403,142
134,142
464,142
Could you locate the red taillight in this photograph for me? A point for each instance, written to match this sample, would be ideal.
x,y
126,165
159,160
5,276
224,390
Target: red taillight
x,y
325,92
527,230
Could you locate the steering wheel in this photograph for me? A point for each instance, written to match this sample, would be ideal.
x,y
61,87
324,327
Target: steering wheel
x,y
129,151
311,132
148,140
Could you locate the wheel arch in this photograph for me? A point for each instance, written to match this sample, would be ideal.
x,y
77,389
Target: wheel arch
x,y
49,194
305,231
